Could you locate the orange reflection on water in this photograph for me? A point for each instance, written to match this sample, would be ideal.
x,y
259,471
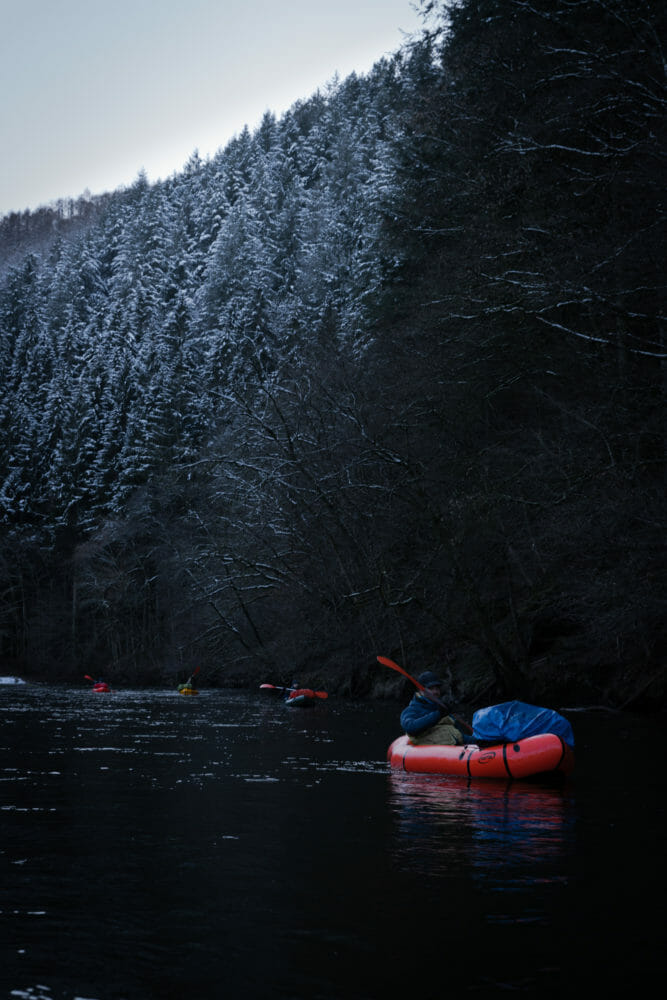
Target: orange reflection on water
x,y
493,830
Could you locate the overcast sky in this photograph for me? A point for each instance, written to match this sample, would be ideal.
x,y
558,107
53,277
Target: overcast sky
x,y
93,91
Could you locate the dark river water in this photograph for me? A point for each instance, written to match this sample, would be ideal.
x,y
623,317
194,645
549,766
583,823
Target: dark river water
x,y
154,846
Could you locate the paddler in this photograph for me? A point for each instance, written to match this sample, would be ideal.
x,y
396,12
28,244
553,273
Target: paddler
x,y
190,683
426,718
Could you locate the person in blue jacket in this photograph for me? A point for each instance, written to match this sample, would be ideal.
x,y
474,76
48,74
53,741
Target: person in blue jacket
x,y
425,719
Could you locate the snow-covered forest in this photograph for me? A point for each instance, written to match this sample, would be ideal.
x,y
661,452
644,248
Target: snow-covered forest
x,y
386,375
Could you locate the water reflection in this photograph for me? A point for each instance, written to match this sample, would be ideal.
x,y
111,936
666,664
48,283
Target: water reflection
x,y
225,845
502,837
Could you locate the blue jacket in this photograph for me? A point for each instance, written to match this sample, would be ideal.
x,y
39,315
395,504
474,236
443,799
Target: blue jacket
x,y
420,715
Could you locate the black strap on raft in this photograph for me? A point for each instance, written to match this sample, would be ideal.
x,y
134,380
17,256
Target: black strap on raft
x,y
505,759
563,751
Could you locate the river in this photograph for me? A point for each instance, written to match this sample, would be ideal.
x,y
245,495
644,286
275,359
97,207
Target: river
x,y
160,847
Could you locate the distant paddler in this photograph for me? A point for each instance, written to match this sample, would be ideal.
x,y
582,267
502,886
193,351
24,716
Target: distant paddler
x,y
296,695
188,687
100,687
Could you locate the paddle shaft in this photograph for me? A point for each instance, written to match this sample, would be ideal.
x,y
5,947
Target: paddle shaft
x,y
192,676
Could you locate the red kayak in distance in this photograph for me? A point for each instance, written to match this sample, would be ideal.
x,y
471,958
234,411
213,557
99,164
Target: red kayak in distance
x,y
301,697
99,687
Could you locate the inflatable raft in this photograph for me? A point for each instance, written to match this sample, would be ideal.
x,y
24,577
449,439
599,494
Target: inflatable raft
x,y
527,757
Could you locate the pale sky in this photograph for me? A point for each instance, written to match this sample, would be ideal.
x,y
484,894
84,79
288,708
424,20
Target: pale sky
x,y
94,91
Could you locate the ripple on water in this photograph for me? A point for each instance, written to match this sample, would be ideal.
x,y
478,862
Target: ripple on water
x,y
40,992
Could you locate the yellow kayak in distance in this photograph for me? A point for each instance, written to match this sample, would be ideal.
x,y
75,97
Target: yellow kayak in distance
x,y
186,687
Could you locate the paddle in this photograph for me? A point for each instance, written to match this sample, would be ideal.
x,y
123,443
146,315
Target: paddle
x,y
394,666
276,687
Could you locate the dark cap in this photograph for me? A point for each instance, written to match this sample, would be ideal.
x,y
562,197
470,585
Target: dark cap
x,y
429,679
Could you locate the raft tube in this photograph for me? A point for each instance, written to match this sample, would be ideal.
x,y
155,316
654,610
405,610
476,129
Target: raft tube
x,y
528,757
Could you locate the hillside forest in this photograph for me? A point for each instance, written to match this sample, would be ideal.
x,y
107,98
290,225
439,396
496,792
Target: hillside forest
x,y
385,375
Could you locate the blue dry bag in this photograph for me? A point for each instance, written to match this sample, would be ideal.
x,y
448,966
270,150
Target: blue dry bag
x,y
514,720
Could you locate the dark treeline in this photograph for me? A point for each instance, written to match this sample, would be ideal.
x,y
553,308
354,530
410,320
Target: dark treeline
x,y
385,376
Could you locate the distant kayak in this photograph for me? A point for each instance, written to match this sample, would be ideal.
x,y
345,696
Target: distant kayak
x,y
303,697
188,687
527,757
101,688
296,696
